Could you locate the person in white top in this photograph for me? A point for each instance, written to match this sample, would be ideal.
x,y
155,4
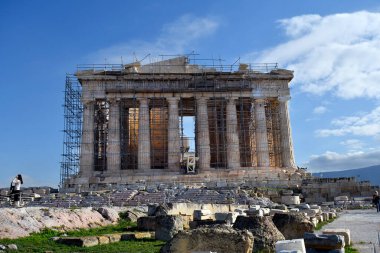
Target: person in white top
x,y
16,189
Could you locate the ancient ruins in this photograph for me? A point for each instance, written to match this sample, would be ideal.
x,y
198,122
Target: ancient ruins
x,y
136,119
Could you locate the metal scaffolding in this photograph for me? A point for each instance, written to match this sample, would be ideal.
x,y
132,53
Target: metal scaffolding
x,y
72,132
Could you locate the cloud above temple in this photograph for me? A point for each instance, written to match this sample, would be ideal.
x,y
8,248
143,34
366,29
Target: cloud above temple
x,y
333,161
176,37
361,124
336,53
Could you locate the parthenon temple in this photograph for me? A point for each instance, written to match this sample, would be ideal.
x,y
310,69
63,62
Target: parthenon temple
x,y
175,121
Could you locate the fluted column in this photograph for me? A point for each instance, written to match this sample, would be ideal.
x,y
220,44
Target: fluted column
x,y
143,157
203,139
262,148
233,151
113,145
86,162
286,134
174,153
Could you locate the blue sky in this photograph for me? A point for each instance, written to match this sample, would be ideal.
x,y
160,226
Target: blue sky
x,y
333,47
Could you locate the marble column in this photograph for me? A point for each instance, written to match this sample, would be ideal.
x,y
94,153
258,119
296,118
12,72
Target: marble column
x,y
287,156
143,157
233,151
202,135
174,153
113,145
86,162
262,149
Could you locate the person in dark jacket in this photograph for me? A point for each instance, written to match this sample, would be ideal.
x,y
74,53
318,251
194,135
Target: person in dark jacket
x,y
376,201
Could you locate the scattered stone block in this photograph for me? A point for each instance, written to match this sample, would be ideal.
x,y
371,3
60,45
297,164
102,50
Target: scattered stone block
x,y
323,242
310,212
167,226
293,225
255,212
114,237
146,223
266,211
12,247
287,192
274,211
217,239
262,228
135,236
341,198
290,200
86,241
339,231
103,240
229,217
296,245
202,214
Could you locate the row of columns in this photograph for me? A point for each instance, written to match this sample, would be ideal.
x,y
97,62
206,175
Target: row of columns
x,y
202,135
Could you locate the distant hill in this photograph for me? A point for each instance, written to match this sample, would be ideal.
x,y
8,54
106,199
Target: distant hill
x,y
371,174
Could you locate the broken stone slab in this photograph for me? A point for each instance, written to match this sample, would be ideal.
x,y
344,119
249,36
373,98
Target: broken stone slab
x,y
296,245
294,210
287,192
167,226
146,223
323,242
339,231
213,239
86,241
310,212
290,200
314,220
136,236
293,225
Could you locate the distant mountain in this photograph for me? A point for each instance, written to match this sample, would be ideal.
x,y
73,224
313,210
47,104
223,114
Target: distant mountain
x,y
371,174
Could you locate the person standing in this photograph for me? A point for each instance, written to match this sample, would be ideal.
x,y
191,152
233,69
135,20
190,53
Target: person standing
x,y
16,189
376,201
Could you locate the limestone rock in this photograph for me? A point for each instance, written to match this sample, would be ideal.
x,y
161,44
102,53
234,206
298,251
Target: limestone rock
x,y
108,213
297,245
339,231
217,239
292,225
136,235
12,247
167,226
264,231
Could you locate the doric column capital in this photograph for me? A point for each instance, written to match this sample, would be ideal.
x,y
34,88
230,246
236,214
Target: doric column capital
x,y
143,101
201,100
259,100
283,99
172,100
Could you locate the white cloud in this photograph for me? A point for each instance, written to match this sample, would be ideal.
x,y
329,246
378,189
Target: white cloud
x,y
367,124
332,161
175,38
336,53
319,110
353,144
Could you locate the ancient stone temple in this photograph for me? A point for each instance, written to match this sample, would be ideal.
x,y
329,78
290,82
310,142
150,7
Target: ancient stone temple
x,y
136,121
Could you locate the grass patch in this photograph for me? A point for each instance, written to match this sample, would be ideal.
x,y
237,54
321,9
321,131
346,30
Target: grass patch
x,y
323,223
41,242
349,249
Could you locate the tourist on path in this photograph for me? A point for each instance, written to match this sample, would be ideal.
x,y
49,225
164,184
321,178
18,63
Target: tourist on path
x,y
16,189
376,201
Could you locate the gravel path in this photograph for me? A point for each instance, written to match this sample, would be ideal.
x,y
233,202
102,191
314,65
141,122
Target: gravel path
x,y
364,227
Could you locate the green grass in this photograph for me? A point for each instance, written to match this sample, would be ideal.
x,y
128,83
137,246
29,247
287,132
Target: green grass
x,y
349,249
41,242
323,223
